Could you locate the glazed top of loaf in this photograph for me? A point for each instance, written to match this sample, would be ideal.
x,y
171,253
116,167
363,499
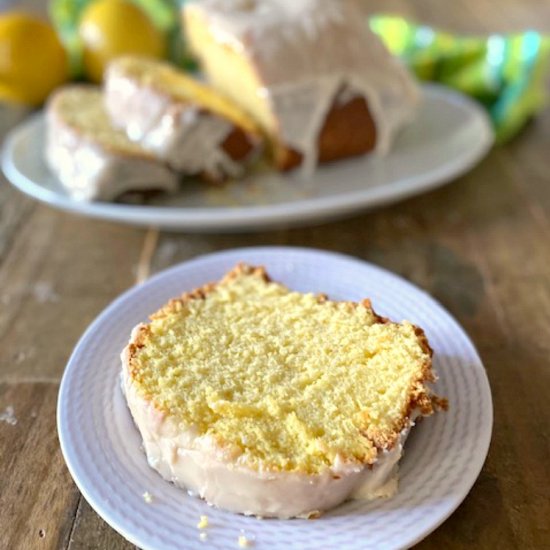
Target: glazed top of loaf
x,y
321,35
323,44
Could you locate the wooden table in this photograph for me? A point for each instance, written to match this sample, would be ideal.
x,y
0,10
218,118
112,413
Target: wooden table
x,y
481,246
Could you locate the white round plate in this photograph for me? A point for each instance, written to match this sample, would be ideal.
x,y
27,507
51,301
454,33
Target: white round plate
x,y
443,455
449,135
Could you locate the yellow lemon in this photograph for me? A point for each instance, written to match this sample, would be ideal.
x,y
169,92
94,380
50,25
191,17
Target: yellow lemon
x,y
110,28
32,59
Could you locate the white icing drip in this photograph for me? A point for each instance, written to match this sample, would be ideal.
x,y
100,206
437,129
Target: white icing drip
x,y
197,465
306,107
384,476
188,139
304,52
90,171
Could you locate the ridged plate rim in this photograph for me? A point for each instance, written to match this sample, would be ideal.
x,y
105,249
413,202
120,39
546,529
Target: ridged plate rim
x,y
92,418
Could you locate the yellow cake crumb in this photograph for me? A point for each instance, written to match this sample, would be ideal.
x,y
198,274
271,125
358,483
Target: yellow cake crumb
x,y
244,540
147,497
203,523
84,110
282,380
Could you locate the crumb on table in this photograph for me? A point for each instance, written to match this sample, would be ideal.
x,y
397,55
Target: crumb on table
x,y
8,416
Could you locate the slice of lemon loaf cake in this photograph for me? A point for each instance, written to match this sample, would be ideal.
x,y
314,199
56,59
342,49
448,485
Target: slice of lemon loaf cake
x,y
319,82
181,120
93,160
275,403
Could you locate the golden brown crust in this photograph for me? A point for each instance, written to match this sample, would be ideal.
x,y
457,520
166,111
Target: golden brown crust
x,y
177,304
349,131
239,145
420,399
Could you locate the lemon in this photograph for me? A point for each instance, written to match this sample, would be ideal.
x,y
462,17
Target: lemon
x,y
32,59
110,28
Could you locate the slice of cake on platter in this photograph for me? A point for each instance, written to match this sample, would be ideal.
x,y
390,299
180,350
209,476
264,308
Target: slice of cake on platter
x,y
319,82
274,403
92,159
181,120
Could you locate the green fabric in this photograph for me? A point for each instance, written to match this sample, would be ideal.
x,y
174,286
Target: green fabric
x,y
506,73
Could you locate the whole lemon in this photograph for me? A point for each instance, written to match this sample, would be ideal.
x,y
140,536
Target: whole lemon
x,y
110,28
32,59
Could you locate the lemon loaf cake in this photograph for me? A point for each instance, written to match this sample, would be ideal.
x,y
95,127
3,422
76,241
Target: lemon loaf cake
x,y
91,159
319,82
179,119
274,403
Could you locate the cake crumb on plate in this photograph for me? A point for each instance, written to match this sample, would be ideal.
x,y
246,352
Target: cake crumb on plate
x,y
203,522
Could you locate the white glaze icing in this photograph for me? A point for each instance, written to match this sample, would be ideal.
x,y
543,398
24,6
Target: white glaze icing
x,y
187,138
195,463
90,170
306,52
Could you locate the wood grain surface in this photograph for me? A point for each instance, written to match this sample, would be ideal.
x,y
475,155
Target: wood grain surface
x,y
481,246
